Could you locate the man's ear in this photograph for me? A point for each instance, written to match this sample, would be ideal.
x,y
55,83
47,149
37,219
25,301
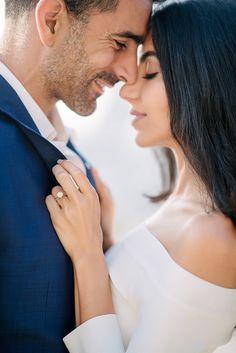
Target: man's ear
x,y
49,16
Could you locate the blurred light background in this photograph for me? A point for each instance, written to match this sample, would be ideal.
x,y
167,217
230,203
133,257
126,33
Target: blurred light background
x,y
107,139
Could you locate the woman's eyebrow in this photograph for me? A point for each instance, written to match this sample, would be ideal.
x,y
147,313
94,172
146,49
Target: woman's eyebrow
x,y
146,55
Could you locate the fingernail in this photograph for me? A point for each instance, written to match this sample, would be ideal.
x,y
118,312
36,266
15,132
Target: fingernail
x,y
60,161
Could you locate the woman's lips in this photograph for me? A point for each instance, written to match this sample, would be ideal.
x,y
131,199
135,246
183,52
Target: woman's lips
x,y
137,116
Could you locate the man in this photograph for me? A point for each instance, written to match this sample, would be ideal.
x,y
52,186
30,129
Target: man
x,y
51,50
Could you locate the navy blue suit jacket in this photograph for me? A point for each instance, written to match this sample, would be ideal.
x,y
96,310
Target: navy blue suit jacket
x,y
36,277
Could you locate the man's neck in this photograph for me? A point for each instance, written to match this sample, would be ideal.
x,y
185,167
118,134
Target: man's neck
x,y
23,61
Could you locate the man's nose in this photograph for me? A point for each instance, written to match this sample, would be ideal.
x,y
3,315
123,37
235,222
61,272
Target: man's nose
x,y
126,68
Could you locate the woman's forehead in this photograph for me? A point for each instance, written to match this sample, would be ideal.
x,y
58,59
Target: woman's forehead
x,y
146,46
148,43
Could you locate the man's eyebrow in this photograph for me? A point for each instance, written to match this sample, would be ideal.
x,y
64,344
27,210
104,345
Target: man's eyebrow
x,y
146,55
138,39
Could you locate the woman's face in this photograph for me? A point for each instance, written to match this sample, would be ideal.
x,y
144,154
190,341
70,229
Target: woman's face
x,y
149,101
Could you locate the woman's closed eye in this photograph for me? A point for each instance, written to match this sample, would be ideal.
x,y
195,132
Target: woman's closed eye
x,y
151,69
150,76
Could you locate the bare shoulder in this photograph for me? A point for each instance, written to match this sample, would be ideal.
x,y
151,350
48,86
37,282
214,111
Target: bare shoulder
x,y
207,248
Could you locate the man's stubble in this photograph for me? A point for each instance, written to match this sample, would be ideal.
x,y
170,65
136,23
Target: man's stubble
x,y
66,73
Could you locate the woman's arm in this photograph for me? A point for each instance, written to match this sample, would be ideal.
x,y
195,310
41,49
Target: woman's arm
x,y
77,304
76,218
94,288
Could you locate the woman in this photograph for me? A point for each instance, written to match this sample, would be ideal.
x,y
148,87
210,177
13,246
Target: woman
x,y
173,279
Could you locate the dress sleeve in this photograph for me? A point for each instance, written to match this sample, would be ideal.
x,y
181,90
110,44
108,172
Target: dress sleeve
x,y
98,335
174,310
169,328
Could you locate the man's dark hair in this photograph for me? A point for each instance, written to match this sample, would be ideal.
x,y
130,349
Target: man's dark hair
x,y
14,8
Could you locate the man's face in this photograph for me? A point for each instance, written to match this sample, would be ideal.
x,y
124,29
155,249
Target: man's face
x,y
96,54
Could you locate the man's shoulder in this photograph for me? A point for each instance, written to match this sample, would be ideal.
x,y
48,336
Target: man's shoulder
x,y
16,151
10,134
6,119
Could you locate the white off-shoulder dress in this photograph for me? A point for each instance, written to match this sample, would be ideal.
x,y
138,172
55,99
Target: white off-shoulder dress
x,y
160,307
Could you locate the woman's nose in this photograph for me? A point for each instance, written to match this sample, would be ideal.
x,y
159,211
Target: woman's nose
x,y
129,92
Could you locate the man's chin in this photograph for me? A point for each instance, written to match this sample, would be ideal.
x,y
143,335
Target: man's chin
x,y
86,110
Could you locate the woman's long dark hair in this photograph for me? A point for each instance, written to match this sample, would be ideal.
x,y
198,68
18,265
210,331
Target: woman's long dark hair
x,y
195,41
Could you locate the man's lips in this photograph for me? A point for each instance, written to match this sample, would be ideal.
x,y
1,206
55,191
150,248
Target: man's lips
x,y
99,85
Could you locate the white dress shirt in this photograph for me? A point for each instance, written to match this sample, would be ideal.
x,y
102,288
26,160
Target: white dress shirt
x,y
160,307
54,131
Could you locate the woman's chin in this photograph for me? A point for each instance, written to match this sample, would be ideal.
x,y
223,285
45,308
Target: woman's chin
x,y
142,142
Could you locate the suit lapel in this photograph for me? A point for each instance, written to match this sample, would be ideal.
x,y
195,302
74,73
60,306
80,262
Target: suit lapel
x,y
14,109
87,165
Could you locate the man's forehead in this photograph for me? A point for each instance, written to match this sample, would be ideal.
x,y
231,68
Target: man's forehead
x,y
136,32
137,6
122,22
131,18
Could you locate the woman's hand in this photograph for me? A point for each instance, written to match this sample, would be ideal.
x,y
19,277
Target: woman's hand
x,y
75,212
107,210
76,216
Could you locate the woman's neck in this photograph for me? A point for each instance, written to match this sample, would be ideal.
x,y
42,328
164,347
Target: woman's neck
x,y
189,186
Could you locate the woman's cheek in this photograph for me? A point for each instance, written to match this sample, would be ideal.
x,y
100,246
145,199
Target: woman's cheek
x,y
157,102
150,98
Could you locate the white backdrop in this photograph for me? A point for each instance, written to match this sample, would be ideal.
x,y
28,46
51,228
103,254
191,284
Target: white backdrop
x,y
107,140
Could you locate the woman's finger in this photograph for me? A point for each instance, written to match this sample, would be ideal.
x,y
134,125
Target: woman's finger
x,y
65,180
59,195
53,207
78,175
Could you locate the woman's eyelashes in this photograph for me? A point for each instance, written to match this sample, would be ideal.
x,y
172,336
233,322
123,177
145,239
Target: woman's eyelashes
x,y
150,76
151,70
